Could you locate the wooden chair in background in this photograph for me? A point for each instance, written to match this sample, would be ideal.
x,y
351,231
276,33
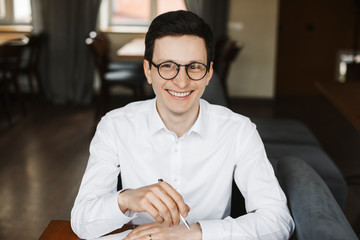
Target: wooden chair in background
x,y
10,57
226,51
129,75
29,65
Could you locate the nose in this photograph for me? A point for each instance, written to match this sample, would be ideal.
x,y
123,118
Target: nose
x,y
182,80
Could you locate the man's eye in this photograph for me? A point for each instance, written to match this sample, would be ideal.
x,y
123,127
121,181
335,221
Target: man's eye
x,y
196,66
167,66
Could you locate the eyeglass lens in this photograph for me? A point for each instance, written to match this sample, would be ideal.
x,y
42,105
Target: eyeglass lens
x,y
195,71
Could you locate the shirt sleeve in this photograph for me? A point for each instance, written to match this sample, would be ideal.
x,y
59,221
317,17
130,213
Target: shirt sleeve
x,y
268,216
95,211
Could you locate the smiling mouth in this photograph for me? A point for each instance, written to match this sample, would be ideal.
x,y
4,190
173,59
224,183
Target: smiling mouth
x,y
178,94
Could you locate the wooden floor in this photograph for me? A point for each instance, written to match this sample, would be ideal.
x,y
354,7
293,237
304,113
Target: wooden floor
x,y
44,154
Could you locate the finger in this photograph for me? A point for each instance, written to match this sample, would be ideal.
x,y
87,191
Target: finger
x,y
154,197
143,230
176,197
149,208
171,212
168,207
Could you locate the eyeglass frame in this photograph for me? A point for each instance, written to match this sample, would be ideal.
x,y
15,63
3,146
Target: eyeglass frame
x,y
178,69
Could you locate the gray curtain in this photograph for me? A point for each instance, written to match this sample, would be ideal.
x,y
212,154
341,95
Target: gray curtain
x,y
37,16
67,63
214,12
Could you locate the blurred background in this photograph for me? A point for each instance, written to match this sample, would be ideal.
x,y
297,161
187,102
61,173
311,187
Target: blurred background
x,y
63,64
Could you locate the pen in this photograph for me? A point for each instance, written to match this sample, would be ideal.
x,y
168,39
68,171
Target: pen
x,y
183,220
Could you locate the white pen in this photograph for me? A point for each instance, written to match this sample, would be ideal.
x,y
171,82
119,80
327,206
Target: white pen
x,y
183,220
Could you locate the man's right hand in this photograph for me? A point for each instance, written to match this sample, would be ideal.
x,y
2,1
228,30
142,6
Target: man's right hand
x,y
160,200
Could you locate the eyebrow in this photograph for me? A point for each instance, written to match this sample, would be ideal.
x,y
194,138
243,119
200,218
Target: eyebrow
x,y
170,60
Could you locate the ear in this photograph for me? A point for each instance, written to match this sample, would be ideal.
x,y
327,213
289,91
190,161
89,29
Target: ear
x,y
210,74
147,71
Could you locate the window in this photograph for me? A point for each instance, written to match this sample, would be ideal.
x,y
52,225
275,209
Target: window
x,y
344,58
134,15
2,9
15,12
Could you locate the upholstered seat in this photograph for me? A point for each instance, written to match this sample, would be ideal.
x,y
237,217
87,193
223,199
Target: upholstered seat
x,y
114,66
284,131
318,160
292,138
125,76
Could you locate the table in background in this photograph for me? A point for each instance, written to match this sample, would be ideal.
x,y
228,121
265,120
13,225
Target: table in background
x,y
7,37
134,49
345,97
61,230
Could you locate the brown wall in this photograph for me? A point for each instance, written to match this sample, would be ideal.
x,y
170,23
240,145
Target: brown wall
x,y
311,32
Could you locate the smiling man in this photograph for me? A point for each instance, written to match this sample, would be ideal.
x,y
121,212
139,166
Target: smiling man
x,y
195,148
178,92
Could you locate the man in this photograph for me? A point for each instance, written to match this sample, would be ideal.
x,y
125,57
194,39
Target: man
x,y
195,147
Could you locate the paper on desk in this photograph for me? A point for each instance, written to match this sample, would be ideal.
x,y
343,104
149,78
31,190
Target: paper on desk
x,y
116,236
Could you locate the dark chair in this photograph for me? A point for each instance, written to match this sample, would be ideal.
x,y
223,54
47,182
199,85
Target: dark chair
x,y
226,51
111,65
10,57
316,213
114,74
212,93
30,64
312,205
292,138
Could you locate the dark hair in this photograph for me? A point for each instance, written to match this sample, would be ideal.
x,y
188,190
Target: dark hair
x,y
178,23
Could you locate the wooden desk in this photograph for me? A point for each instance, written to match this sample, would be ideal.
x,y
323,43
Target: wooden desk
x,y
7,37
26,29
61,230
345,97
134,49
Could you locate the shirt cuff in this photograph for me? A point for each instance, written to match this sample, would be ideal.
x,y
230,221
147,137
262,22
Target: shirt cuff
x,y
214,230
114,213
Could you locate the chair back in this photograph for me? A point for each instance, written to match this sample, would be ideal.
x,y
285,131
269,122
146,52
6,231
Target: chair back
x,y
10,57
100,47
218,51
231,51
226,51
36,42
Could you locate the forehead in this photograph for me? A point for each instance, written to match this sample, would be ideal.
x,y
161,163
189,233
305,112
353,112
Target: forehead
x,y
181,49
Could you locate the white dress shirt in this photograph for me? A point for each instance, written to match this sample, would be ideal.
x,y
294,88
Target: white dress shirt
x,y
200,165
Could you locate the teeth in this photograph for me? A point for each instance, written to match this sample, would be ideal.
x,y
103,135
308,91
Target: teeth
x,y
176,94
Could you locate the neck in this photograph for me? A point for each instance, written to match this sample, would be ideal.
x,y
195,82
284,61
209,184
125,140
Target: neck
x,y
179,123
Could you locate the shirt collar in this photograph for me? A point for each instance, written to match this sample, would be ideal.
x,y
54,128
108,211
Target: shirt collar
x,y
155,121
156,124
199,126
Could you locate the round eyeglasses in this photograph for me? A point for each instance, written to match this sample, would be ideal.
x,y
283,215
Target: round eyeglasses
x,y
169,70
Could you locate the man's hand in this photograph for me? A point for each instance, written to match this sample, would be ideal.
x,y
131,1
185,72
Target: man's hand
x,y
153,231
160,200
